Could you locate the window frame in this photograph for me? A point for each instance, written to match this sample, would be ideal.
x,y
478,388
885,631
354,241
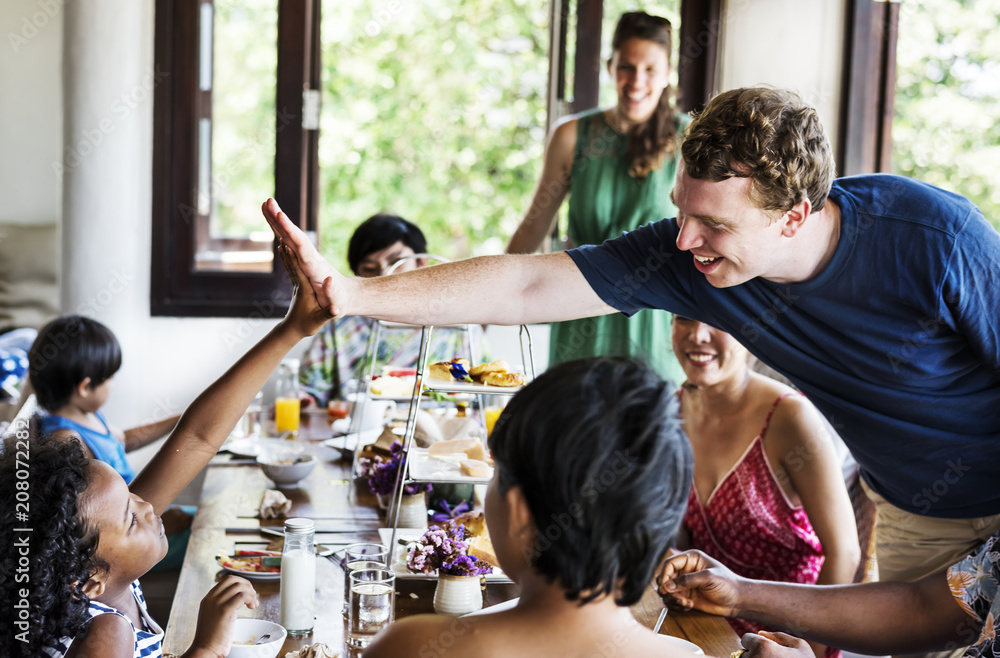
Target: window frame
x,y
869,87
176,287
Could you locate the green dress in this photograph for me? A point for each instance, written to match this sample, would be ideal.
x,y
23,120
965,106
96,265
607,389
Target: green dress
x,y
604,202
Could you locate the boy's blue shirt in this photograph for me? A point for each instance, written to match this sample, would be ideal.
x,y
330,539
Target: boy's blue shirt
x,y
106,447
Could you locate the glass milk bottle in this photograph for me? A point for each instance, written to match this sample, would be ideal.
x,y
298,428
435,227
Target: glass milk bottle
x,y
298,577
286,397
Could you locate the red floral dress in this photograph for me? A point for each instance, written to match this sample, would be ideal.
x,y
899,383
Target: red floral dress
x,y
749,525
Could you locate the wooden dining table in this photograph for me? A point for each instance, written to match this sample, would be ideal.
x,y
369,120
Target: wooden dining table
x,y
344,513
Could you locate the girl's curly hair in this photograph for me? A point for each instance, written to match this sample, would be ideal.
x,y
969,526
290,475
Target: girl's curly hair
x,y
43,478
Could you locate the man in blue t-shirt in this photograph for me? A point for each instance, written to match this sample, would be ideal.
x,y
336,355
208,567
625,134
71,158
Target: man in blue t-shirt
x,y
878,296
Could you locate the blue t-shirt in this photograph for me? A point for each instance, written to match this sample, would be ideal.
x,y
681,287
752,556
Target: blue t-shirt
x,y
106,447
897,341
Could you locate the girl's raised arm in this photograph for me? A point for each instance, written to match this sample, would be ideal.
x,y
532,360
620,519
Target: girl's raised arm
x,y
211,417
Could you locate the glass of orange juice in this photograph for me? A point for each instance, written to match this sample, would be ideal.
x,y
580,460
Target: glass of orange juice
x,y
492,413
286,414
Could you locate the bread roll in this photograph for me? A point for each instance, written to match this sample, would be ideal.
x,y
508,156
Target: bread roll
x,y
493,366
506,379
475,468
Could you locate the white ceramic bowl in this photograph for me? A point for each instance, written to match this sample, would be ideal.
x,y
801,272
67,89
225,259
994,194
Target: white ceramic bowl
x,y
252,630
283,469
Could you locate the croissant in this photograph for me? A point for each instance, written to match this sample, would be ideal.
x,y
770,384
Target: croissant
x,y
493,366
506,379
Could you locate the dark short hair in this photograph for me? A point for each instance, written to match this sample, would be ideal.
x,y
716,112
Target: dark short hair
x,y
60,546
378,232
68,350
597,448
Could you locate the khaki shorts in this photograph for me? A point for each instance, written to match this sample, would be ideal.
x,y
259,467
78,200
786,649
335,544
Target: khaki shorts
x,y
909,546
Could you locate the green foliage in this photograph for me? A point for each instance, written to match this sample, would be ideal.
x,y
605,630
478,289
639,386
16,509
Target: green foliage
x,y
947,125
433,110
243,127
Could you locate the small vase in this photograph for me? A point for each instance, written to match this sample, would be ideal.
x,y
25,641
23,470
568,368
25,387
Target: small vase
x,y
383,501
412,512
458,595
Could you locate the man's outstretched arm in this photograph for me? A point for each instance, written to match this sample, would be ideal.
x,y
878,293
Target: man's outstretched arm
x,y
507,290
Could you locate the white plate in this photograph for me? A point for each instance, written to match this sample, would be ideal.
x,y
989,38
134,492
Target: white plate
x,y
440,468
255,447
399,563
684,644
251,575
499,607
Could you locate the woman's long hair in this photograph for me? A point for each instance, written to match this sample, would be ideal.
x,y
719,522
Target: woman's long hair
x,y
649,142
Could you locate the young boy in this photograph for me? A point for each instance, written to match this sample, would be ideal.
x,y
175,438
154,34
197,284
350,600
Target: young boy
x,y
72,364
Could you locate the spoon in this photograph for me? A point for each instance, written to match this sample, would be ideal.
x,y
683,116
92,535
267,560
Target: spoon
x,y
262,639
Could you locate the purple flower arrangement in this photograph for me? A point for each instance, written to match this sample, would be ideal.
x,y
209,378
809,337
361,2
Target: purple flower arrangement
x,y
444,549
383,473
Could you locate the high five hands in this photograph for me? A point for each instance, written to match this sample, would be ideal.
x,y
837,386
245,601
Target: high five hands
x,y
326,282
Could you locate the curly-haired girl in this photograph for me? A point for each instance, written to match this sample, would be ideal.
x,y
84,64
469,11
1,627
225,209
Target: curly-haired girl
x,y
72,548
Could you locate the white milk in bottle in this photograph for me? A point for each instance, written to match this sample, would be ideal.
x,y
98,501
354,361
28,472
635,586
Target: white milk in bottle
x,y
298,577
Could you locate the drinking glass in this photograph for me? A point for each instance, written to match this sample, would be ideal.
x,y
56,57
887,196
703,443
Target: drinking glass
x,y
372,603
362,556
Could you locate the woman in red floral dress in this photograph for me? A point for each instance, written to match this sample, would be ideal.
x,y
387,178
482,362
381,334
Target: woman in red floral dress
x,y
768,498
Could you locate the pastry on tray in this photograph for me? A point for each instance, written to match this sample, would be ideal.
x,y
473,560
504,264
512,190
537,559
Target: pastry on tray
x,y
505,379
494,373
479,543
475,468
493,366
452,446
449,371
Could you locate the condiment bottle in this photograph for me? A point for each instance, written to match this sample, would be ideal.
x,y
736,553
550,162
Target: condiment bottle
x,y
298,577
286,397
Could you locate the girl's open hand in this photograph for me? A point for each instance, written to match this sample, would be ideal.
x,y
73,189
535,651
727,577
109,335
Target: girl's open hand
x,y
319,275
305,313
693,580
217,614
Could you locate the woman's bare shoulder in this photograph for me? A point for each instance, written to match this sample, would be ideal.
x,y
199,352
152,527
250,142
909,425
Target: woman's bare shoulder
x,y
432,635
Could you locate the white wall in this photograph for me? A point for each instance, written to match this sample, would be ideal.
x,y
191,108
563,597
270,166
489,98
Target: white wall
x,y
30,110
786,43
109,79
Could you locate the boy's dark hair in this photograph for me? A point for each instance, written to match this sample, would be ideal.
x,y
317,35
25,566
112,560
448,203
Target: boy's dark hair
x,y
43,479
378,232
68,350
597,449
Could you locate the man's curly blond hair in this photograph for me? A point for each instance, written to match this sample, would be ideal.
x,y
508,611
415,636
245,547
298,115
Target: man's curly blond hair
x,y
770,136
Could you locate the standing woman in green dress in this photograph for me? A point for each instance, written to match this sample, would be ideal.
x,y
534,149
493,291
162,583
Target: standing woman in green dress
x,y
618,166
